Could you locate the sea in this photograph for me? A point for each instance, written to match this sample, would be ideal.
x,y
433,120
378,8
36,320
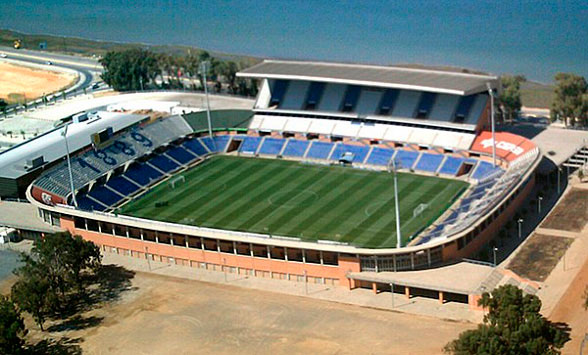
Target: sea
x,y
535,38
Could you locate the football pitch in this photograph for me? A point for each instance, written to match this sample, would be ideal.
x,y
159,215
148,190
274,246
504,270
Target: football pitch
x,y
289,198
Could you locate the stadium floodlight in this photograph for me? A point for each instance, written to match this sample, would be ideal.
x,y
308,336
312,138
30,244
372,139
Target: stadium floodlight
x,y
203,69
491,93
71,183
392,167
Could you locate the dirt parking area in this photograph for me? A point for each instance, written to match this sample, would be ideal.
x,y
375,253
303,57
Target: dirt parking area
x,y
30,83
570,309
570,214
539,256
163,315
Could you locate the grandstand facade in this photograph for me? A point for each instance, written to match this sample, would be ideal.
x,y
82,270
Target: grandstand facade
x,y
427,122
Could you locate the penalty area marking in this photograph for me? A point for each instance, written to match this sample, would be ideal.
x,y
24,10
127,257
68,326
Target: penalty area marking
x,y
374,206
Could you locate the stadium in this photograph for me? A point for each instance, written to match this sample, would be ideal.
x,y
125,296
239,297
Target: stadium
x,y
338,173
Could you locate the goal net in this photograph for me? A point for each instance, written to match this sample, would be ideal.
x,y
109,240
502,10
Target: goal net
x,y
179,180
419,209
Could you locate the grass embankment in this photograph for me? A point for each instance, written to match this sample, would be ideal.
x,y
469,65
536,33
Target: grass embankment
x,y
536,94
88,47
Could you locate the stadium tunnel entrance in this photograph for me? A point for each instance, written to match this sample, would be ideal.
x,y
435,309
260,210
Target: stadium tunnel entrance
x,y
412,291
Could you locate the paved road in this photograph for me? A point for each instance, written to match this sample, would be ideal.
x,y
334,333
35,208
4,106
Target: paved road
x,y
62,60
87,67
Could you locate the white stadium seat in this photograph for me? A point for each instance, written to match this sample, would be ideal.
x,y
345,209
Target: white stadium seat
x,y
372,131
346,129
273,123
320,126
298,125
398,133
256,122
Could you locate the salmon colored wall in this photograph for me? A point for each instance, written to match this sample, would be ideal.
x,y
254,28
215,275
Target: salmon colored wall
x,y
346,264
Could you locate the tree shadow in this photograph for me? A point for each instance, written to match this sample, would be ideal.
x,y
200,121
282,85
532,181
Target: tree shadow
x,y
76,323
107,284
111,282
63,346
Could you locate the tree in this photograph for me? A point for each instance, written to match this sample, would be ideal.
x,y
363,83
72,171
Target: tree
x,y
33,295
570,103
510,98
52,270
62,257
12,328
229,71
78,256
513,325
131,69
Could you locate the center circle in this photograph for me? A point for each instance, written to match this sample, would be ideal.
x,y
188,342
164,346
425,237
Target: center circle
x,y
292,198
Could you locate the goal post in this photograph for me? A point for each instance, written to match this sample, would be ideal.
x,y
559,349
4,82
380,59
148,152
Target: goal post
x,y
419,210
178,180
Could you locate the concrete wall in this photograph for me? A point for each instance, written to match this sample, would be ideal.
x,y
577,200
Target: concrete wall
x,y
187,256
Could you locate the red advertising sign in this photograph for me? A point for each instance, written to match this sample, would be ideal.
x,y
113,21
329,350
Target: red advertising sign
x,y
508,146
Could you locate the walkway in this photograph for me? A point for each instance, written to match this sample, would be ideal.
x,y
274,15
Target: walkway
x,y
359,297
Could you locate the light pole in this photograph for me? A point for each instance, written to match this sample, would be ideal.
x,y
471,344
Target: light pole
x,y
558,182
539,199
392,166
71,183
491,93
392,291
147,256
494,250
520,222
203,69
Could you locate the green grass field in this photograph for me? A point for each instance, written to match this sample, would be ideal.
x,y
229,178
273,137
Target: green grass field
x,y
294,199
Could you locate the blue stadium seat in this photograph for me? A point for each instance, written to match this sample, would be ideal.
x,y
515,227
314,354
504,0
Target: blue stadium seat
x,y
451,165
207,141
405,159
295,148
195,146
104,195
319,150
271,146
484,169
122,185
429,162
143,174
221,142
163,163
380,156
249,145
180,154
359,152
89,205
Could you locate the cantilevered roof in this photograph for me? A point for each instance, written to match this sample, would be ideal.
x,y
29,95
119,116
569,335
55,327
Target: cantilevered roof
x,y
371,75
